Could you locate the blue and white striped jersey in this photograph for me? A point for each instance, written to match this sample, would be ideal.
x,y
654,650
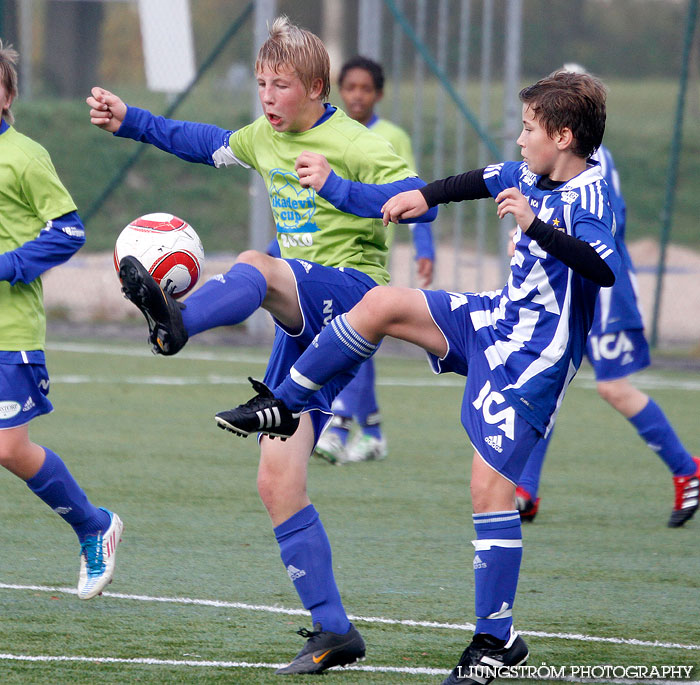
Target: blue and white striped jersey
x,y
533,331
618,305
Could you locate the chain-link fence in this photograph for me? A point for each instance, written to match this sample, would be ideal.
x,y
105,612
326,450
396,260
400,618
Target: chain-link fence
x,y
448,65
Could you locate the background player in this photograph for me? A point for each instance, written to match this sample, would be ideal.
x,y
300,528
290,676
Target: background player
x,y
330,259
616,349
39,228
361,87
521,346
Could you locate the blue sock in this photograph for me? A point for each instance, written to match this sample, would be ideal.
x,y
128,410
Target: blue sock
x,y
372,425
341,423
498,551
365,407
341,426
337,348
306,553
530,477
654,428
54,485
225,300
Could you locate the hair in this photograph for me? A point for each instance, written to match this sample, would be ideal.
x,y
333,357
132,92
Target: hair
x,y
570,100
288,45
8,76
369,65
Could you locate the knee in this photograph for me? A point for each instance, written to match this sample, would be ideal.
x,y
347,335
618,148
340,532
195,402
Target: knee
x,y
10,452
480,496
491,492
612,393
267,490
380,303
276,490
6,457
254,258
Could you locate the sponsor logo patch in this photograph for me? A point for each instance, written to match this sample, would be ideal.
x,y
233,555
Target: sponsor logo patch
x,y
9,409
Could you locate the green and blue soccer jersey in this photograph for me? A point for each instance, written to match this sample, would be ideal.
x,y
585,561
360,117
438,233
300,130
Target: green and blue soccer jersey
x,y
32,195
401,142
398,138
308,226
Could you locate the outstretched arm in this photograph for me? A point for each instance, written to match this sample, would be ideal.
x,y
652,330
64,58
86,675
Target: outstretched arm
x,y
188,140
353,197
467,186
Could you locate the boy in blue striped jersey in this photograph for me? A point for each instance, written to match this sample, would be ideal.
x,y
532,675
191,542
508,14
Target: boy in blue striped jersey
x,y
616,349
519,347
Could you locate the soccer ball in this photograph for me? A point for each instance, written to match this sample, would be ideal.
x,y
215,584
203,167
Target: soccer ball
x,y
167,246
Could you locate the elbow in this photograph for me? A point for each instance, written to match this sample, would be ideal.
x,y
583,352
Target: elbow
x,y
607,278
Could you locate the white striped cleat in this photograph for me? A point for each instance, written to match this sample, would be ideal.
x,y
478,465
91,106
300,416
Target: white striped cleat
x,y
487,658
263,413
97,558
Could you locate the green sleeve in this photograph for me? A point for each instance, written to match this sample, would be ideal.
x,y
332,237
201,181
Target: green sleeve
x,y
46,195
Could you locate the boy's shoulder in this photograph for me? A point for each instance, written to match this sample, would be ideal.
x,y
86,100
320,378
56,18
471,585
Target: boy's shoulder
x,y
389,129
343,125
21,146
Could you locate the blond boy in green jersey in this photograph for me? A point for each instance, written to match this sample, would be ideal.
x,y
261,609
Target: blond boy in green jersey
x,y
311,157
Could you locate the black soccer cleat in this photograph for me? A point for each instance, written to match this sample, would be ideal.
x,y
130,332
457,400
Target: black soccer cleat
x,y
263,413
480,661
166,329
687,497
324,649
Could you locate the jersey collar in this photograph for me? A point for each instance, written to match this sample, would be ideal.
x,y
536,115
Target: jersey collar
x,y
330,110
373,120
592,174
3,126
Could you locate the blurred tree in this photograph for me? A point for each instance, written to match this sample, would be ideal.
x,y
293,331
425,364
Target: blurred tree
x,y
72,46
8,21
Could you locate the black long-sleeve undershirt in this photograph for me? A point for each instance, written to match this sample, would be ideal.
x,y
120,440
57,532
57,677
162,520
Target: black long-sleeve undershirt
x,y
572,252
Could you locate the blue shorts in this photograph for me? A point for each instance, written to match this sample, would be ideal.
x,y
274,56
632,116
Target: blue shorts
x,y
324,292
617,355
502,437
23,394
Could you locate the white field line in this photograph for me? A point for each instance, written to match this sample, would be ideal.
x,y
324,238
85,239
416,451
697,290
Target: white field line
x,y
584,379
406,670
360,619
143,351
215,664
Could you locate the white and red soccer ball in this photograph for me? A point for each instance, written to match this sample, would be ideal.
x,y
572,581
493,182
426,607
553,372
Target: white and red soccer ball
x,y
167,246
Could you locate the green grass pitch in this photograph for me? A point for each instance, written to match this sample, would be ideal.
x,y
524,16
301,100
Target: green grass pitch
x,y
138,433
